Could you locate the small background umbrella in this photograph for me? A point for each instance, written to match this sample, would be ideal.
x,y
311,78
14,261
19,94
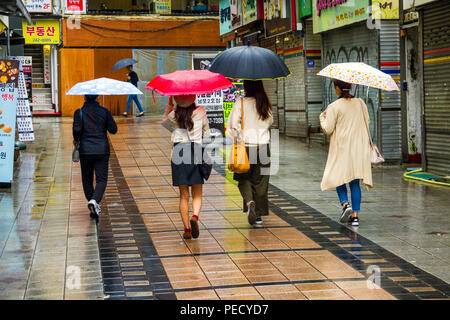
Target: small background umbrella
x,y
188,82
249,63
360,73
123,63
103,87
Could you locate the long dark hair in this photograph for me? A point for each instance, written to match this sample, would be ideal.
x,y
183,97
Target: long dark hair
x,y
345,88
183,116
256,89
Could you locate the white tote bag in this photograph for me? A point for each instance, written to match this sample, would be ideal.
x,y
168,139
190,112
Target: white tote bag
x,y
375,154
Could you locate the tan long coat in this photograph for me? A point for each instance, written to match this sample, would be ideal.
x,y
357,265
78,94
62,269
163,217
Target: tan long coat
x,y
349,152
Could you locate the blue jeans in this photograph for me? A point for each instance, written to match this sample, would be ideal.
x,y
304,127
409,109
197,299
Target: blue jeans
x,y
356,194
134,97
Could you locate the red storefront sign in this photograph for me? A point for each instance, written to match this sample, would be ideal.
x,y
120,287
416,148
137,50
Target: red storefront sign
x,y
75,6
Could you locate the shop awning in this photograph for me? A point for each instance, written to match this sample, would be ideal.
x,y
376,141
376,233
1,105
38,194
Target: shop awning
x,y
14,8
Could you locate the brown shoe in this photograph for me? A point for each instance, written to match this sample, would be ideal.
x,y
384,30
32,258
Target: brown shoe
x,y
194,227
187,235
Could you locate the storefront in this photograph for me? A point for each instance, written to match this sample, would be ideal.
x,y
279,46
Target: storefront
x,y
350,34
436,70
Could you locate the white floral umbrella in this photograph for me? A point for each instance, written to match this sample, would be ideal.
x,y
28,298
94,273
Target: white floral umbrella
x,y
103,87
360,73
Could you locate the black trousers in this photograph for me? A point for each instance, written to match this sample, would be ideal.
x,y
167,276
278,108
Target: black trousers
x,y
254,185
97,164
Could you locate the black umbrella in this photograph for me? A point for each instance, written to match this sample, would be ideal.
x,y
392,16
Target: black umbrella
x,y
249,63
123,63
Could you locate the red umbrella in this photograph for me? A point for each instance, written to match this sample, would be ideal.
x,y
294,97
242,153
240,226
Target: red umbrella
x,y
183,82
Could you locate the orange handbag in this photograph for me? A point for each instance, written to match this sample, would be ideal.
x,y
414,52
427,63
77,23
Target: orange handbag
x,y
238,162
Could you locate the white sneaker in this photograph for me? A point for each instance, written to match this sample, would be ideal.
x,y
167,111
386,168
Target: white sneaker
x,y
94,208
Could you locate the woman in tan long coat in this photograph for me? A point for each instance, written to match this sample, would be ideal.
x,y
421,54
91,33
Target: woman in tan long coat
x,y
347,121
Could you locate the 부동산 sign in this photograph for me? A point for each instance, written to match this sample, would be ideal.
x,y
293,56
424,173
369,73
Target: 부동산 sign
x,y
41,32
225,16
9,80
329,15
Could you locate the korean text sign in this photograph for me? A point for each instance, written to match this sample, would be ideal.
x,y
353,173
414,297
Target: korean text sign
x,y
41,32
9,77
329,15
41,6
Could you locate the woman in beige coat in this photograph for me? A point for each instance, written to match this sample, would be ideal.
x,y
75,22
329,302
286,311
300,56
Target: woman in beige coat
x,y
347,121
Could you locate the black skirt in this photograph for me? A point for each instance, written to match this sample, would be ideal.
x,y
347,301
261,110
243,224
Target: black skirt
x,y
185,163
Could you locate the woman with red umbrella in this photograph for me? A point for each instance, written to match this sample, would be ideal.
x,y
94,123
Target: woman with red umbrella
x,y
189,167
191,126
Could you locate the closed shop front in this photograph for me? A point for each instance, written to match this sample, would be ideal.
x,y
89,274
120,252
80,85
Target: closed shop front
x,y
294,86
281,102
436,86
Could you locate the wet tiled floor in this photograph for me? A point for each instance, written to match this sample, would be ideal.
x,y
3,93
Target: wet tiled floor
x,y
138,252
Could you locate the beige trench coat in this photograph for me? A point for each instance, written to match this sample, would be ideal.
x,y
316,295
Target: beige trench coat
x,y
349,152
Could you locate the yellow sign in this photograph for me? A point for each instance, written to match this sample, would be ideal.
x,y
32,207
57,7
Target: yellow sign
x,y
382,9
2,27
41,32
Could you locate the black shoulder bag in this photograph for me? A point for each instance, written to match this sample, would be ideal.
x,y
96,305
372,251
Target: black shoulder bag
x,y
76,150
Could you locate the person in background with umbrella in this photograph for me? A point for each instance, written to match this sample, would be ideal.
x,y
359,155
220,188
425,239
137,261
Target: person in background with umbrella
x,y
191,125
90,126
133,78
349,153
254,184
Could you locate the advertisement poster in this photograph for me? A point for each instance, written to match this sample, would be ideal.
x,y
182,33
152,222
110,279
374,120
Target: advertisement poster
x,y
41,32
388,10
163,6
329,15
229,98
40,6
27,71
75,6
225,16
276,17
47,71
212,103
304,8
249,11
9,79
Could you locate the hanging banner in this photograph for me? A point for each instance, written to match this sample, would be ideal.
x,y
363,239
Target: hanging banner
x,y
47,70
249,12
41,32
329,15
75,6
40,6
388,10
163,6
225,16
236,13
27,71
9,79
212,103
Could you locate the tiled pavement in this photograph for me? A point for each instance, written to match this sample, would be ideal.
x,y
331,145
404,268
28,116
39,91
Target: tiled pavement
x,y
46,235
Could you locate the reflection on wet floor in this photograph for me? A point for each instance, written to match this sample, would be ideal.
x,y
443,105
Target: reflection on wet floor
x,y
52,250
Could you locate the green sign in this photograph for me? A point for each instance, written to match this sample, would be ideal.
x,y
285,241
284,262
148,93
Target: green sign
x,y
304,8
329,15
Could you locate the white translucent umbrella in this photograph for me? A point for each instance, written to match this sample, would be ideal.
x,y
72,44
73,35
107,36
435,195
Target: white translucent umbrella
x,y
103,87
360,73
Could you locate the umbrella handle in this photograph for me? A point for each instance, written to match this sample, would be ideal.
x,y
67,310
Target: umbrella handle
x,y
153,96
